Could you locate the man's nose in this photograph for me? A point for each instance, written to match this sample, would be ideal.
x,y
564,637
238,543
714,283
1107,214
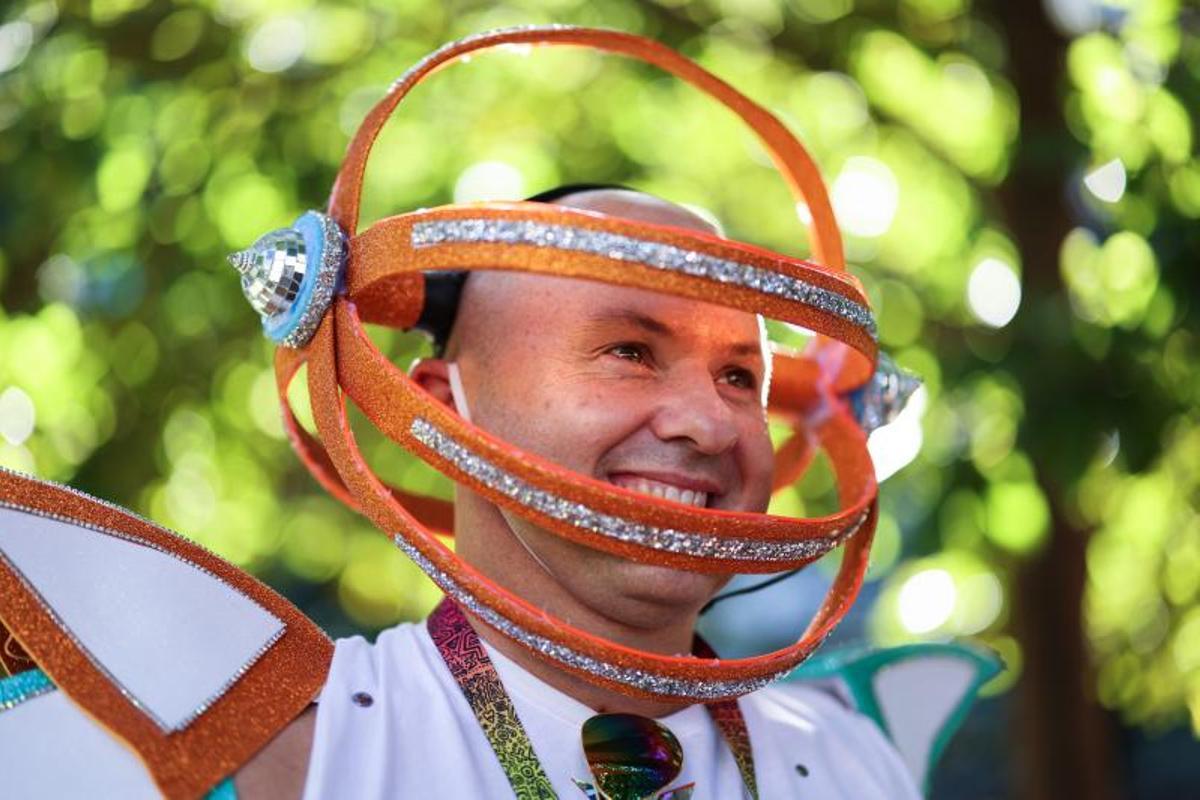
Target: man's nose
x,y
692,408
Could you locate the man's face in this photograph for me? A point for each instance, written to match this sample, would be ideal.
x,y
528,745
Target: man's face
x,y
648,391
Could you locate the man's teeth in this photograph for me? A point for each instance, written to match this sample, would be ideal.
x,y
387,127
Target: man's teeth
x,y
664,490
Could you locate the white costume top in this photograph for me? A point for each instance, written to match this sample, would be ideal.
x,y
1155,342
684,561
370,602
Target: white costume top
x,y
419,737
248,662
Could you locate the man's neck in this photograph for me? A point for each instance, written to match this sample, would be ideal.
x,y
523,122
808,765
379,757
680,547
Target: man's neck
x,y
602,700
487,542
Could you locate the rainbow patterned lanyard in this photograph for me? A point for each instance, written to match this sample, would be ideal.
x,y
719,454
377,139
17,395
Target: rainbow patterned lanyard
x,y
468,661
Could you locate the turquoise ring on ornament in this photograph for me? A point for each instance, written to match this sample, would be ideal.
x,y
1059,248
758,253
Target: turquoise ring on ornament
x,y
291,275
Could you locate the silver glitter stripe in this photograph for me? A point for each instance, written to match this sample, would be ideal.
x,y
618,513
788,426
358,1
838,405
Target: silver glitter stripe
x,y
579,515
221,690
646,681
648,253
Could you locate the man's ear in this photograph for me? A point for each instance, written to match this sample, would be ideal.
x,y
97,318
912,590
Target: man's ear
x,y
433,375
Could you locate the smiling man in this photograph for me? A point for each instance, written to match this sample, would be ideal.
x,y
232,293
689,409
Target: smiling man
x,y
609,442
657,394
654,393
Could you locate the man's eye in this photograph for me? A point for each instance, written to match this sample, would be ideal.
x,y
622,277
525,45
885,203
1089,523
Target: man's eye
x,y
742,378
628,351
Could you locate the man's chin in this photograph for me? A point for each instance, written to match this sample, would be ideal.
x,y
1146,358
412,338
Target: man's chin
x,y
667,587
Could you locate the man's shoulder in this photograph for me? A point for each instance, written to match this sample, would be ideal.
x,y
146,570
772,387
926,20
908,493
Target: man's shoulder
x,y
817,719
399,663
361,670
810,706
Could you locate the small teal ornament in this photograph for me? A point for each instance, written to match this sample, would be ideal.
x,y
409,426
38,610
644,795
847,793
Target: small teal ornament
x,y
291,275
881,399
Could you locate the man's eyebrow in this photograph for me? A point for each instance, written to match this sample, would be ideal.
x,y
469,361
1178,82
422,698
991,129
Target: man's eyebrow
x,y
608,316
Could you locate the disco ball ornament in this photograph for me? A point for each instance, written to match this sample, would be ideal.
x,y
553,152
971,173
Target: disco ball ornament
x,y
881,399
291,275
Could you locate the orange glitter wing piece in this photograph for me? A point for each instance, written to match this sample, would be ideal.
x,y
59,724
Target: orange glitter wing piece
x,y
188,760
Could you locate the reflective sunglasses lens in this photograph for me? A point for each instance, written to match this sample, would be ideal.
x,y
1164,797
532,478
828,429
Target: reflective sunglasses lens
x,y
630,756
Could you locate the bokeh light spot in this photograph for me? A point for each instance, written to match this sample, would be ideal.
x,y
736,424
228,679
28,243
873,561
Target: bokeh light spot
x,y
896,444
276,45
994,292
16,39
16,416
1018,517
489,180
926,600
177,35
865,197
1107,181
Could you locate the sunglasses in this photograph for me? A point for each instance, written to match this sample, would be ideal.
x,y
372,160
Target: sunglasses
x,y
631,758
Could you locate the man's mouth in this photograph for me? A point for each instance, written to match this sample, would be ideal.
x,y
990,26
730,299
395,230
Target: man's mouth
x,y
658,488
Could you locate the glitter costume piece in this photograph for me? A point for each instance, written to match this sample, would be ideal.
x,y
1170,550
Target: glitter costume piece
x,y
647,253
207,703
289,276
529,626
16,689
275,686
665,539
647,682
468,661
881,399
384,283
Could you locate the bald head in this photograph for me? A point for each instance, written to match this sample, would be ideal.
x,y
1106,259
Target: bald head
x,y
637,205
486,291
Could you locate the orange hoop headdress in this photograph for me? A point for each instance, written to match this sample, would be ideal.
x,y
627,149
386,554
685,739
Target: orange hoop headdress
x,y
316,283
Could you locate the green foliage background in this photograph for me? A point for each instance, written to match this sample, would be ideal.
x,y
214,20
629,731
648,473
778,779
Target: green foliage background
x,y
142,141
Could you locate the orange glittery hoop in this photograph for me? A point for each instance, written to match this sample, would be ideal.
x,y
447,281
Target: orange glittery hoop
x,y
383,283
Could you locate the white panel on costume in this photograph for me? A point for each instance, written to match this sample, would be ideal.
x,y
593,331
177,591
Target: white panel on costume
x,y
51,749
173,636
916,696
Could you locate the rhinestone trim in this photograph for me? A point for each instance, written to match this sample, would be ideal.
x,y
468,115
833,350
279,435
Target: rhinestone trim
x,y
16,689
579,515
629,676
333,258
656,255
46,607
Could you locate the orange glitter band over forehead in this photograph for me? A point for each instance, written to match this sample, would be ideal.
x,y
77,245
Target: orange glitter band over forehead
x,y
342,278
